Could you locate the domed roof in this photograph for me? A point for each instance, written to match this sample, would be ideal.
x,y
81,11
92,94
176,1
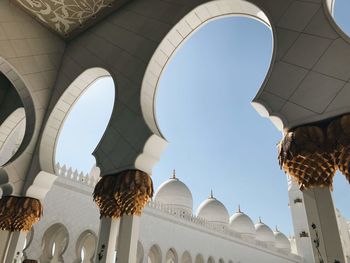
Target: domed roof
x,y
174,192
281,241
213,211
263,232
241,223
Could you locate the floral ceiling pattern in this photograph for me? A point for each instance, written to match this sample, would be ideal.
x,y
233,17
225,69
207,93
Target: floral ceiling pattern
x,y
65,16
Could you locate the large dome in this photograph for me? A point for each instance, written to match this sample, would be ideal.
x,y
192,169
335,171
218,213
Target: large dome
x,y
241,223
264,233
213,211
281,241
176,194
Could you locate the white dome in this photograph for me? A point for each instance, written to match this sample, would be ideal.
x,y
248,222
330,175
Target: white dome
x,y
281,241
264,233
175,193
241,223
213,211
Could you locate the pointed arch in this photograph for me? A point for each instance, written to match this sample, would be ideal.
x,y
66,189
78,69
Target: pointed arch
x,y
211,260
186,257
171,256
154,254
86,247
199,259
54,243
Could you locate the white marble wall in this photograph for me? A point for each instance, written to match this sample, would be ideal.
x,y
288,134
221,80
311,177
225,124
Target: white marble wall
x,y
70,203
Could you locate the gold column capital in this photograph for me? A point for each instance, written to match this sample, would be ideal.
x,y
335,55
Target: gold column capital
x,y
124,193
19,213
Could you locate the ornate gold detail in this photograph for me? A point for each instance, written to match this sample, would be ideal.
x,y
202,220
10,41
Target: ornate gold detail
x,y
125,193
19,213
66,16
312,154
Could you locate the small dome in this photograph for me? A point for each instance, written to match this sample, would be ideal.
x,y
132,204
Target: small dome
x,y
241,223
213,211
264,233
175,193
281,241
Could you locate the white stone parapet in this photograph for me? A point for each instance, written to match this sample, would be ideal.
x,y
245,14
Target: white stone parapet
x,y
75,175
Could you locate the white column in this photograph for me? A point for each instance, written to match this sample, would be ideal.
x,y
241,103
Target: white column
x,y
107,240
4,237
128,238
321,213
300,222
14,249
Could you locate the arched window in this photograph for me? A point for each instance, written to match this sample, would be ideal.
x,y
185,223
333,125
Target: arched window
x,y
221,260
199,259
171,256
154,255
211,260
86,247
186,257
54,244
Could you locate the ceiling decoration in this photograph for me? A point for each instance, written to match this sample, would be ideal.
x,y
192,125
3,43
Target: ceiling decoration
x,y
68,17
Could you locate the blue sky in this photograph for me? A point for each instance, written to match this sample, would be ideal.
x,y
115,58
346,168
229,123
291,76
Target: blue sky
x,y
217,140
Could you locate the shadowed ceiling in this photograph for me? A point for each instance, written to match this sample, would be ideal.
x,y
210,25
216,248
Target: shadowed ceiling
x,y
68,17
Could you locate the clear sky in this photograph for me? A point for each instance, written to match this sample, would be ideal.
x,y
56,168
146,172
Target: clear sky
x,y
217,140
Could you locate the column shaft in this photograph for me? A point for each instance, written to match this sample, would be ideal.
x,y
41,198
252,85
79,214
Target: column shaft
x,y
107,240
322,219
128,238
14,249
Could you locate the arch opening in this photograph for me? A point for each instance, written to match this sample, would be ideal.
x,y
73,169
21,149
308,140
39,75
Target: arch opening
x,y
200,103
54,244
171,256
17,114
339,10
86,247
154,255
81,115
186,257
180,33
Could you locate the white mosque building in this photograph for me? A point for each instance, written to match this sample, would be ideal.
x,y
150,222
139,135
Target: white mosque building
x,y
170,230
